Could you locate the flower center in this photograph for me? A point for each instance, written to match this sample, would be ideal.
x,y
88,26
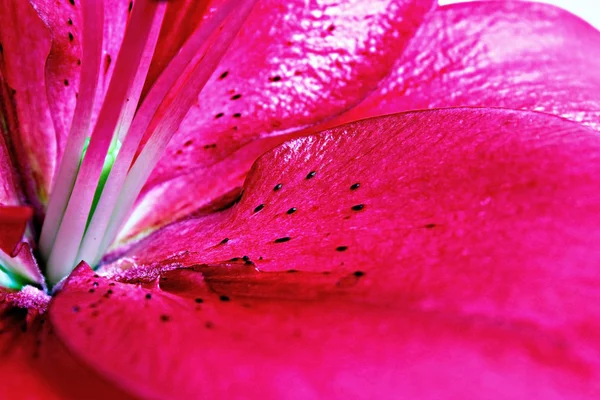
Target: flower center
x,y
104,167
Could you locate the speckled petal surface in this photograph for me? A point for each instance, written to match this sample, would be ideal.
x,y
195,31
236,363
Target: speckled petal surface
x,y
440,253
310,61
24,108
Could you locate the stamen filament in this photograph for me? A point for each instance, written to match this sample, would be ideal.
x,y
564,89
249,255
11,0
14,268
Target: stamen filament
x,y
170,114
90,248
93,23
130,72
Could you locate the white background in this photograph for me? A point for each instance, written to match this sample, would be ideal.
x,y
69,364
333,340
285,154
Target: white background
x,y
586,9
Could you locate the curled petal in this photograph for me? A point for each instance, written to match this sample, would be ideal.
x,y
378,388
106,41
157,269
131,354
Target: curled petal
x,y
13,221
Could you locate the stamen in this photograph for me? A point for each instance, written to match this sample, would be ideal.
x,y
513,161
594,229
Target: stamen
x,y
93,25
90,248
130,72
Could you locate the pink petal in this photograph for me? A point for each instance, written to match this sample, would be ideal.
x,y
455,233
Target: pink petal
x,y
10,190
62,68
13,221
33,362
181,20
308,63
23,105
496,54
470,271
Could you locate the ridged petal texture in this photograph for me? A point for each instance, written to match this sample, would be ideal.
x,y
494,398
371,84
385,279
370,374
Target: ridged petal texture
x,y
446,253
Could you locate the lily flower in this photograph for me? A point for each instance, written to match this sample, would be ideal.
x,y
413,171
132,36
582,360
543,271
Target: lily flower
x,y
301,199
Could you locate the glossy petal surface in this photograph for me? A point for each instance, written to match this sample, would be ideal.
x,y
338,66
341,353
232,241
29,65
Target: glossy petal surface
x,y
451,246
310,61
509,54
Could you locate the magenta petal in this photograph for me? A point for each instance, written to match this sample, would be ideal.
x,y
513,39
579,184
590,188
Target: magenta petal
x,y
516,55
62,69
34,364
10,190
13,221
181,20
437,254
310,62
23,104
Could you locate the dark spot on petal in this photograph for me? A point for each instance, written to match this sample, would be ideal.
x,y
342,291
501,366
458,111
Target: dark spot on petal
x,y
358,274
165,318
219,115
311,174
292,271
291,210
259,207
95,283
246,258
341,248
72,2
188,143
224,298
235,259
70,21
237,115
430,226
355,186
224,75
96,276
91,290
109,291
283,239
111,284
78,61
358,207
236,96
224,241
76,308
331,27
275,78
198,300
71,37
209,325
277,187
148,296
130,6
